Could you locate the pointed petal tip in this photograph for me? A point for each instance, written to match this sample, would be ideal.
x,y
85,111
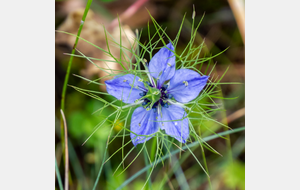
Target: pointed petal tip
x,y
170,45
134,143
109,81
181,139
205,77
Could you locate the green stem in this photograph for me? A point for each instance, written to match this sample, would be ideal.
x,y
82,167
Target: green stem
x,y
153,148
62,105
102,164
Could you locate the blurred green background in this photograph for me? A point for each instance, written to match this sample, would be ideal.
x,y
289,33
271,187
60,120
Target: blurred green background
x,y
222,27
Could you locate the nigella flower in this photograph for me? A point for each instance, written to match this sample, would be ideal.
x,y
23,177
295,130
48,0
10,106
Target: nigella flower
x,y
162,97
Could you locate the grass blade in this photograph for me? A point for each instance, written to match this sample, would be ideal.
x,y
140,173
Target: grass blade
x,y
58,176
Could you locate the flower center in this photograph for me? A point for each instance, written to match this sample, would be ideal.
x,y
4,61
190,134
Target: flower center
x,y
154,96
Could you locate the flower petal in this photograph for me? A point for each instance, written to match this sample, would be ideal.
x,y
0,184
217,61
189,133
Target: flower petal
x,y
186,85
162,64
120,87
177,129
142,123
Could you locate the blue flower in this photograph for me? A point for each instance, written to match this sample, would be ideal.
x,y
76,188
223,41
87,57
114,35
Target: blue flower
x,y
161,97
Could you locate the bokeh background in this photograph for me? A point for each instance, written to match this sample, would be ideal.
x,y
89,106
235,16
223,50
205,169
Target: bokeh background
x,y
222,27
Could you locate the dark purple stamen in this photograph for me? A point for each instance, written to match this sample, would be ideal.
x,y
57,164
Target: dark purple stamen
x,y
143,93
164,97
149,84
170,96
164,104
164,87
145,102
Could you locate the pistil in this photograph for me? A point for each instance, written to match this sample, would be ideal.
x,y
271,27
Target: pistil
x,y
153,95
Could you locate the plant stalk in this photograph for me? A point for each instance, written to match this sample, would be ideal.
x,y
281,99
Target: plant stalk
x,y
62,105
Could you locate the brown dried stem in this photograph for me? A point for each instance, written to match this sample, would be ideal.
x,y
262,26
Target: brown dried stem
x,y
66,152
